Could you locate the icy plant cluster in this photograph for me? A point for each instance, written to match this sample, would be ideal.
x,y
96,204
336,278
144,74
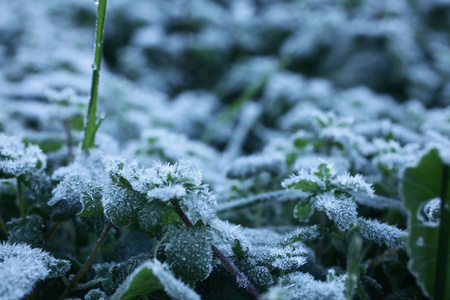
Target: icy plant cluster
x,y
243,149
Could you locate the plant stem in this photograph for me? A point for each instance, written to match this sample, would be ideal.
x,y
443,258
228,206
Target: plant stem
x,y
88,262
443,244
240,277
380,258
20,198
51,230
91,120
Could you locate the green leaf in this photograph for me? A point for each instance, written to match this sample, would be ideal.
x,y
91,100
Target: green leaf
x,y
155,216
303,211
91,200
121,205
27,230
421,184
151,277
189,252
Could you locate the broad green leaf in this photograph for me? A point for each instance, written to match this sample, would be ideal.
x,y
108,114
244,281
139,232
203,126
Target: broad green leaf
x,y
421,184
152,277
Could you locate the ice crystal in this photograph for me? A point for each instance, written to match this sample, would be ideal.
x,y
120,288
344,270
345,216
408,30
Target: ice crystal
x,y
382,233
433,209
22,267
17,158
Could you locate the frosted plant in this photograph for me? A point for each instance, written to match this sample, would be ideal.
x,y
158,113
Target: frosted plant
x,y
17,159
432,209
250,166
340,208
330,193
300,285
158,276
390,156
22,267
80,187
382,233
159,142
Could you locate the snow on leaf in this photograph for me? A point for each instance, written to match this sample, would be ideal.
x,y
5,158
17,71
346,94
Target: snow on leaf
x,y
22,267
16,158
382,233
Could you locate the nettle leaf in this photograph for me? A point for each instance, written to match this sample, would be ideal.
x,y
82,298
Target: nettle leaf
x,y
79,191
151,277
303,211
28,230
122,205
250,166
121,271
382,233
22,267
339,207
421,185
300,285
305,234
155,216
324,178
17,159
95,294
189,252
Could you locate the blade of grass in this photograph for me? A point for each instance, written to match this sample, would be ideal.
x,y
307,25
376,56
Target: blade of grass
x,y
91,126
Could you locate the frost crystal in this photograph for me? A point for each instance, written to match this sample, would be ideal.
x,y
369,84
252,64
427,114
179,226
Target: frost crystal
x,y
382,233
341,208
21,267
433,209
16,158
303,286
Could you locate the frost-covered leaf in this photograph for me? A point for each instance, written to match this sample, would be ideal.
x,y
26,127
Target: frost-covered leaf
x,y
250,166
303,211
28,230
17,159
80,187
382,233
420,185
151,277
431,211
303,286
154,216
305,234
189,252
339,207
122,205
324,178
95,294
22,267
